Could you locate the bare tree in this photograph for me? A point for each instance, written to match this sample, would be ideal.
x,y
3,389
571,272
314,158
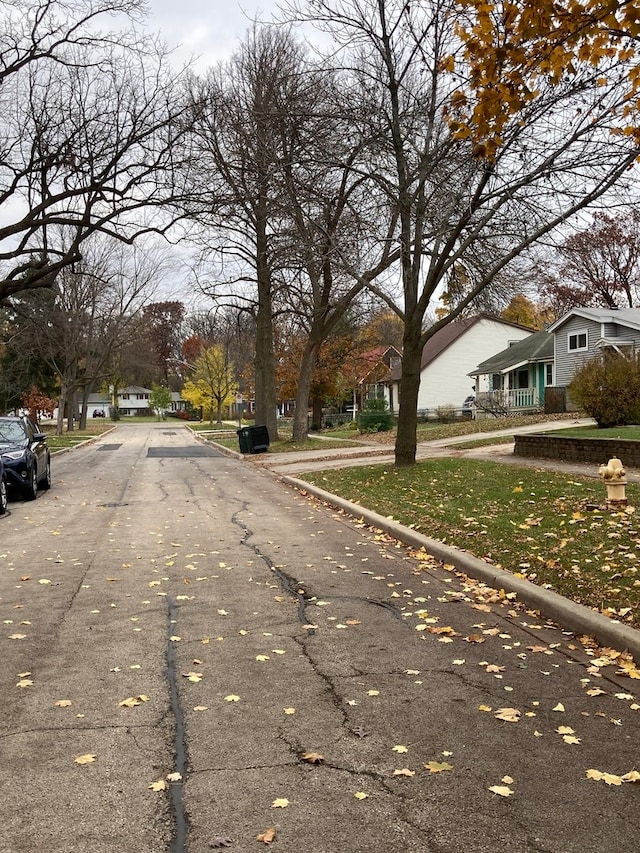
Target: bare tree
x,y
599,264
457,200
90,133
80,325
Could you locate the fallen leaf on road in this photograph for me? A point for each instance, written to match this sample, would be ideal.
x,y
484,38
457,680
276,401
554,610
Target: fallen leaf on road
x,y
559,707
220,841
232,698
501,790
174,777
280,803
159,785
312,757
400,748
63,703
267,836
509,715
25,682
438,766
360,795
88,758
609,778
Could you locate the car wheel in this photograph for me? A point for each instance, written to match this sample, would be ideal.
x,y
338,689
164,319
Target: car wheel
x,y
45,482
31,489
3,497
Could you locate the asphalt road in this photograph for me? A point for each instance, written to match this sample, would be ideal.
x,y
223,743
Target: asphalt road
x,y
168,610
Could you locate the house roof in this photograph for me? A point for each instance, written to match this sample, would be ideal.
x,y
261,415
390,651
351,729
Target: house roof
x,y
622,316
537,347
446,336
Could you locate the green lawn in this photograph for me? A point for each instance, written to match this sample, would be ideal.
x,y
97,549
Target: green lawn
x,y
543,526
631,433
72,439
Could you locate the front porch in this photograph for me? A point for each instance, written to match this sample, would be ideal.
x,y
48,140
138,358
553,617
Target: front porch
x,y
509,402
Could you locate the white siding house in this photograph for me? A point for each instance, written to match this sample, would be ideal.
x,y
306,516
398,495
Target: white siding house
x,y
450,355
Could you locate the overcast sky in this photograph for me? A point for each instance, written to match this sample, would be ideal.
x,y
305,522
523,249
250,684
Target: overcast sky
x,y
211,30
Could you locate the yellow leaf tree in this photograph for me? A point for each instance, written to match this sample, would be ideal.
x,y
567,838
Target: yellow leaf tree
x,y
213,385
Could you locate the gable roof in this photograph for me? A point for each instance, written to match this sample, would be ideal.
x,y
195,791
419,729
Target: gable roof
x,y
446,336
537,347
622,316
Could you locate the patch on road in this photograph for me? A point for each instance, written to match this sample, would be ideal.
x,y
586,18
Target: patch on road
x,y
109,447
181,452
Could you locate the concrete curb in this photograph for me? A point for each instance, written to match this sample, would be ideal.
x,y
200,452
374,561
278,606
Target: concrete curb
x,y
571,616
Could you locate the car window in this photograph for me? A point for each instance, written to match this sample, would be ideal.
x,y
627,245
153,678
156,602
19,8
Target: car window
x,y
12,431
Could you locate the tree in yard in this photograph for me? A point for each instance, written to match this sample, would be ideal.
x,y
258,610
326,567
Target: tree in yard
x,y
160,400
212,385
90,138
475,179
525,312
161,332
80,326
599,265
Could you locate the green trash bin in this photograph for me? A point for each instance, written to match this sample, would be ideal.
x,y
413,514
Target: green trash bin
x,y
253,439
243,439
258,439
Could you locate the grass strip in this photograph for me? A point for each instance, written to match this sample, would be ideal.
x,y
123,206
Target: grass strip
x,y
543,526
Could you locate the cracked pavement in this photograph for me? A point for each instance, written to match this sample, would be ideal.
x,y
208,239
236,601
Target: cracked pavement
x,y
251,624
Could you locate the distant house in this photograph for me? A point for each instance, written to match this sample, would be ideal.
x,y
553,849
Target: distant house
x,y
583,332
450,355
375,366
517,376
132,400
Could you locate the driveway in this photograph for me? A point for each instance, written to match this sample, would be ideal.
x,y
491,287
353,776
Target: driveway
x,y
194,654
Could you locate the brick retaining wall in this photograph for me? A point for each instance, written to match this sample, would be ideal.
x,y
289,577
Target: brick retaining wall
x,y
597,451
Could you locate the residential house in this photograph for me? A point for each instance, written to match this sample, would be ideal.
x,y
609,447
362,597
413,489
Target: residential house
x,y
132,400
374,368
517,376
447,358
583,332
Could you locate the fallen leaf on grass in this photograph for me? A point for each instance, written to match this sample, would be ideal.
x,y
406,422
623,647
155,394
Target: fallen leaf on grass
x,y
267,836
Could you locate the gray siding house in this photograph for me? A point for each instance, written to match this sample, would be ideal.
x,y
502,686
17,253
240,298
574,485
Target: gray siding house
x,y
583,332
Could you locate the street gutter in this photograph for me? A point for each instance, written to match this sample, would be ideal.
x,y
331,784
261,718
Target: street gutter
x,y
570,615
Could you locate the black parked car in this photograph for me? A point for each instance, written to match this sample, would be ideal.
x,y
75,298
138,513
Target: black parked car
x,y
25,455
3,490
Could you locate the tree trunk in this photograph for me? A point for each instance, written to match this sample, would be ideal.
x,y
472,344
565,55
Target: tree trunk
x,y
265,380
303,391
405,450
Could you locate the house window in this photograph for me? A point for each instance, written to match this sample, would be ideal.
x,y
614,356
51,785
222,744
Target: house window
x,y
548,374
523,378
124,396
577,341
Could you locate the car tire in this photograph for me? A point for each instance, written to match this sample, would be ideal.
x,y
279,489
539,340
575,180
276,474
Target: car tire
x,y
45,482
3,497
31,489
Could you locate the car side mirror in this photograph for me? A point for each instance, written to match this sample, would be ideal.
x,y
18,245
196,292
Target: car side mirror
x,y
39,436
